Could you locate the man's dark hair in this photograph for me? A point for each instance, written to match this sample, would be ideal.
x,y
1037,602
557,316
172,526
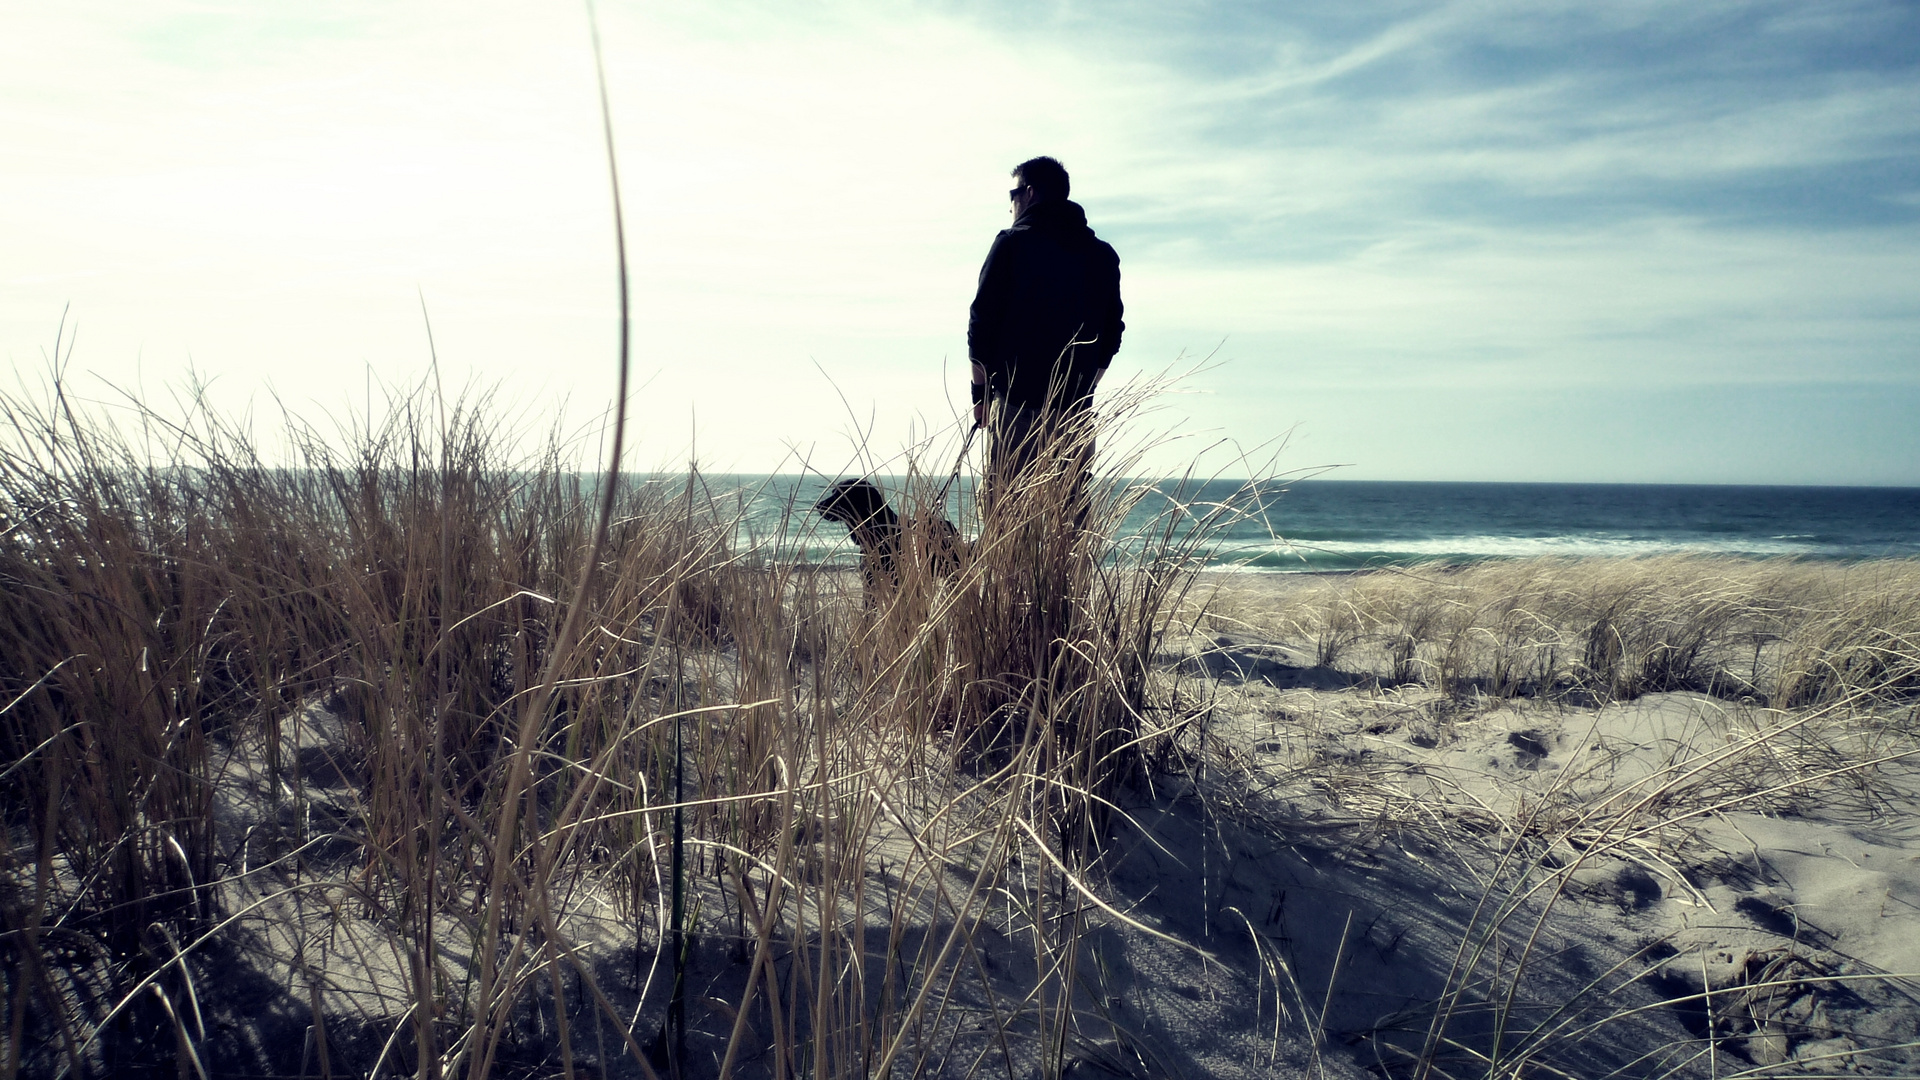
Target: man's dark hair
x,y
1045,175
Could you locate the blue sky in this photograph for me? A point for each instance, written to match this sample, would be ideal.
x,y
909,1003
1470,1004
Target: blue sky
x,y
1501,241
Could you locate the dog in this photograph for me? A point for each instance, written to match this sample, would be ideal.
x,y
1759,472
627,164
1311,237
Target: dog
x,y
862,508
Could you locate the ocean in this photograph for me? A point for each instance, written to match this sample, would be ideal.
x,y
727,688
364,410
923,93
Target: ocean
x,y
1330,525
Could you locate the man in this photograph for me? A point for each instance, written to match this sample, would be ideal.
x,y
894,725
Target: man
x,y
1045,321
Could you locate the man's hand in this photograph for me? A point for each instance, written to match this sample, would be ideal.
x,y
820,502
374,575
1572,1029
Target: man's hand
x,y
979,390
980,413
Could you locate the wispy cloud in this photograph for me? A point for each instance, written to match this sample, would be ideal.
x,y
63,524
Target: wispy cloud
x,y
1530,201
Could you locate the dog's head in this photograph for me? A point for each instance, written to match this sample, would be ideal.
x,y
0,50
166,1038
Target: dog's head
x,y
857,504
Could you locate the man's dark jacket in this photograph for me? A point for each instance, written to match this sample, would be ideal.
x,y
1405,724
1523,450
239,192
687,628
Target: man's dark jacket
x,y
1049,291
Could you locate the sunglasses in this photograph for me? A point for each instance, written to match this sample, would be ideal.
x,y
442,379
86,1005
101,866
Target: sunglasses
x,y
1015,193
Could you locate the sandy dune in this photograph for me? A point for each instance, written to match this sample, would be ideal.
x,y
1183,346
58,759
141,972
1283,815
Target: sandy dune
x,y
1756,870
1335,875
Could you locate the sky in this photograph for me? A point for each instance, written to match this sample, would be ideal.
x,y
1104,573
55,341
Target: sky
x,y
1639,241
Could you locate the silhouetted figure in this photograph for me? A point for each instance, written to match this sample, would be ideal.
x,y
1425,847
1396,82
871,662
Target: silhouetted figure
x,y
871,523
874,525
1044,325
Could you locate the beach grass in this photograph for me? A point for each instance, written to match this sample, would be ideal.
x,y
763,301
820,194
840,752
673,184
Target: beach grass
x,y
320,721
306,775
1788,632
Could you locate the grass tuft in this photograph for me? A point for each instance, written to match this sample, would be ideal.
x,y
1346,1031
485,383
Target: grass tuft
x,y
305,773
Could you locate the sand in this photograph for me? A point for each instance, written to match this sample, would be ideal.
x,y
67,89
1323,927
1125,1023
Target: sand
x,y
1341,877
1759,870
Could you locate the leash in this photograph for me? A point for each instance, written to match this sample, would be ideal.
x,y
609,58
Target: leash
x,y
941,500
